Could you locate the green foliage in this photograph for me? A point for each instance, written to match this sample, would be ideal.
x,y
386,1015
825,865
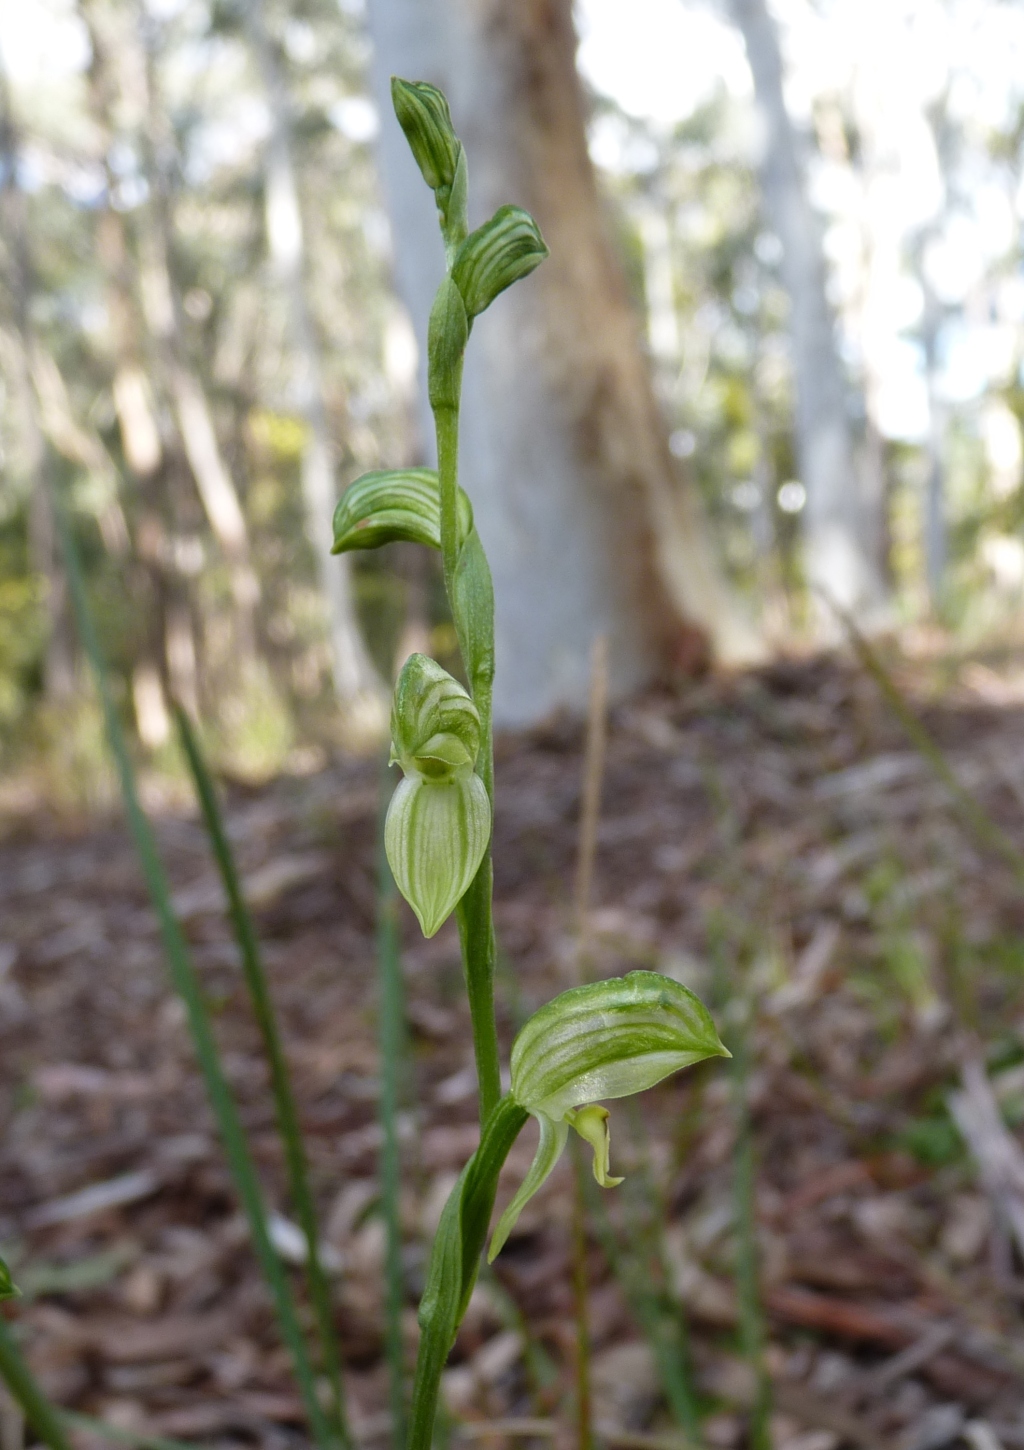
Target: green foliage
x,y
605,1040
393,506
932,1140
502,251
8,1290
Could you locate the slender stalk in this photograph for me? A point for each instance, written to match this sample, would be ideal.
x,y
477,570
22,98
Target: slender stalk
x,y
392,1044
187,985
663,1324
280,1079
446,426
581,1296
44,1418
748,1285
989,833
476,927
593,779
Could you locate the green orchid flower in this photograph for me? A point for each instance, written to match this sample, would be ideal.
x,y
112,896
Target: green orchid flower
x,y
439,821
395,504
605,1040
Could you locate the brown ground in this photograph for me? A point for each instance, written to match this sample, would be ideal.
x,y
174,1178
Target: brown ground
x,y
770,840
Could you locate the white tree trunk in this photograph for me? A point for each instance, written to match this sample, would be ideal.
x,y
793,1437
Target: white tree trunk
x,y
357,684
587,527
837,559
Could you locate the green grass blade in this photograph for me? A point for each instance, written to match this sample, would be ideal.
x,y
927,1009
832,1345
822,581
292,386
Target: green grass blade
x,y
987,831
187,984
748,1284
39,1412
663,1323
392,1044
103,1430
280,1080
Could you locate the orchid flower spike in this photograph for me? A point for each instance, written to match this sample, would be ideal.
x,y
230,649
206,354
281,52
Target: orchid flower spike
x,y
605,1040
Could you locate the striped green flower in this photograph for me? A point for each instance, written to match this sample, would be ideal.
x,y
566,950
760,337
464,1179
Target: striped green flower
x,y
605,1040
397,504
439,821
497,254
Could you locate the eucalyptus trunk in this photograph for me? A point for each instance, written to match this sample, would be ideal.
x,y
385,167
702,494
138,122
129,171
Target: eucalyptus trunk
x,y
588,527
837,558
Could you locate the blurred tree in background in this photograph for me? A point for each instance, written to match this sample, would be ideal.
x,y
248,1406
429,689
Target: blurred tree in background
x,y
790,316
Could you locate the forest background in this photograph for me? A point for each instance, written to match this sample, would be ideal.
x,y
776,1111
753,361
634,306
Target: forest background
x,y
764,398
787,354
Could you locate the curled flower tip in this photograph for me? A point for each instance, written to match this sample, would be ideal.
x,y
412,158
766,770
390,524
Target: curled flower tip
x,y
591,1122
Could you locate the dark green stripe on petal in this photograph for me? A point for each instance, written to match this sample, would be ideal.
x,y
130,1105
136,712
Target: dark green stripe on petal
x,y
435,836
394,505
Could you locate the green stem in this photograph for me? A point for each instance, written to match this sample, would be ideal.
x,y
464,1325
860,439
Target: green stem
x,y
392,1046
748,1285
455,1259
280,1081
476,926
580,1292
187,985
41,1415
446,424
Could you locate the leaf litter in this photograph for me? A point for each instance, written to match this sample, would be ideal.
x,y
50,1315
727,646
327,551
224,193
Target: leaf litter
x,y
768,839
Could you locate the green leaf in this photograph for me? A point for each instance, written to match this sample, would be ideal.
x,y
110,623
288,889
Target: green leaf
x,y
609,1040
8,1290
423,115
553,1138
435,836
497,254
428,706
454,1260
401,504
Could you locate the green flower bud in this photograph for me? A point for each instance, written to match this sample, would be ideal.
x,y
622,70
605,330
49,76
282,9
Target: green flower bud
x,y
7,1287
379,508
497,254
605,1040
431,707
439,821
423,115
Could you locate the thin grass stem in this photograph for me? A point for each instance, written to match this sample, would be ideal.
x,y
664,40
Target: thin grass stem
x,y
280,1078
581,1297
666,1332
43,1416
188,987
748,1282
989,833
